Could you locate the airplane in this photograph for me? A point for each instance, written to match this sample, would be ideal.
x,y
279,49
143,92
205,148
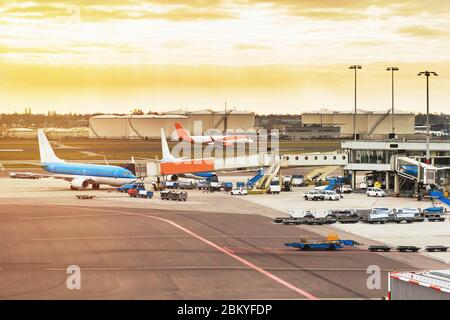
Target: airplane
x,y
226,141
167,157
80,175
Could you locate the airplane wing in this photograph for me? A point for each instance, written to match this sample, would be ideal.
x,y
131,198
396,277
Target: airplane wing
x,y
32,175
220,142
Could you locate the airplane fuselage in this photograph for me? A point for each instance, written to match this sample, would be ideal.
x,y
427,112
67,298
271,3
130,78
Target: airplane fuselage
x,y
98,174
221,139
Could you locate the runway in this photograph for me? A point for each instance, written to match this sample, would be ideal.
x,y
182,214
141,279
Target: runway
x,y
148,253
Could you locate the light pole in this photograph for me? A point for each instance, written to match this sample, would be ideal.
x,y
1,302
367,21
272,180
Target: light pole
x,y
428,74
392,69
355,67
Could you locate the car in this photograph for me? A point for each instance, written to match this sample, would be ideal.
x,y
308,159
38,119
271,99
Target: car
x,y
330,195
239,191
344,189
313,195
375,192
129,186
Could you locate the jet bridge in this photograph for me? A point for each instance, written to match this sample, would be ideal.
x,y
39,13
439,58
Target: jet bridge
x,y
409,168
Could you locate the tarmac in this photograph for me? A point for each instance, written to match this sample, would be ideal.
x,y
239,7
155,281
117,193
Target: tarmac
x,y
214,246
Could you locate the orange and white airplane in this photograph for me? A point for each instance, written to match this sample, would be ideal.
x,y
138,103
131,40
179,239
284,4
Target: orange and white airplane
x,y
226,141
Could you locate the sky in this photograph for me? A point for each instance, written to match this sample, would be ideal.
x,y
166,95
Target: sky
x,y
265,56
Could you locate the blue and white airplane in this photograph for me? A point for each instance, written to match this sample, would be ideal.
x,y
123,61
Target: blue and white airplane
x,y
81,175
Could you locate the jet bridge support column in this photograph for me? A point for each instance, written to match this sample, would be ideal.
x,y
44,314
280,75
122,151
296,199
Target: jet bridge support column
x,y
387,181
396,183
354,179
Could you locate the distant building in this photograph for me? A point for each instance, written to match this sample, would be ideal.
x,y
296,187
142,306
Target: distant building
x,y
311,132
367,122
149,126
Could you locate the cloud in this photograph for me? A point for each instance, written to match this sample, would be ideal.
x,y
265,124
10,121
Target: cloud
x,y
250,46
423,31
174,10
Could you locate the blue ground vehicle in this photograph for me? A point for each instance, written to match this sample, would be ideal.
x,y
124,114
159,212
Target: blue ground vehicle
x,y
129,186
327,245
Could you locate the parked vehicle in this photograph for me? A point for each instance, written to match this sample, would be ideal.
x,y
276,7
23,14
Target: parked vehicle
x,y
239,191
344,216
226,186
375,192
203,184
173,195
186,185
129,186
274,188
433,214
140,193
240,184
327,245
344,189
406,214
330,195
379,215
313,195
171,184
297,180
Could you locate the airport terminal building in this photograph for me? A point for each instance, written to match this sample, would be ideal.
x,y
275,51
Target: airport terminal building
x,y
386,158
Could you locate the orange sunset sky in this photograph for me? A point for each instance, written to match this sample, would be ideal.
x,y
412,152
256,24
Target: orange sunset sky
x,y
285,56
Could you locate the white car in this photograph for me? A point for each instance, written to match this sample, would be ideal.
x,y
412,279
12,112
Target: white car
x,y
345,189
375,192
239,191
330,195
313,195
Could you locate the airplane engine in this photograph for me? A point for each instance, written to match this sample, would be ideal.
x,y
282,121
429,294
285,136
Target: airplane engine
x,y
79,184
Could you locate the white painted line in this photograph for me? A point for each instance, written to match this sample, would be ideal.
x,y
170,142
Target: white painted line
x,y
215,246
217,268
148,236
68,217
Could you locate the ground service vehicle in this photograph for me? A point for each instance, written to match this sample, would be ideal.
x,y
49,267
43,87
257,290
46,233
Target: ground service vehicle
x,y
436,248
375,192
405,214
239,191
297,180
379,215
344,189
375,248
226,186
330,195
140,193
173,195
313,195
128,186
408,248
203,184
274,188
332,243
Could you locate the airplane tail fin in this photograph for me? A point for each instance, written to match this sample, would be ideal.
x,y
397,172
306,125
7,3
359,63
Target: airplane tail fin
x,y
45,149
166,155
183,133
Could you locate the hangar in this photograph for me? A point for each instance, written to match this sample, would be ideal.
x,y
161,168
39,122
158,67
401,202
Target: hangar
x,y
149,126
367,122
